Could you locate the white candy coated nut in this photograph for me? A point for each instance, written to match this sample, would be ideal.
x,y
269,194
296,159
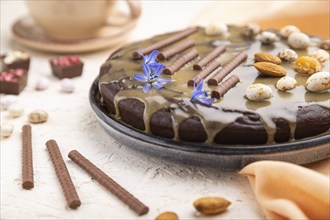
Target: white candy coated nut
x,y
38,116
267,37
318,82
286,83
15,55
251,29
8,100
15,110
287,30
6,129
298,40
287,55
42,83
216,28
258,92
321,55
67,85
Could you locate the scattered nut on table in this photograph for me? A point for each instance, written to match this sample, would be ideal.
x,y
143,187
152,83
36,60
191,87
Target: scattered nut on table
x,y
8,100
167,216
216,28
321,55
211,205
6,129
287,55
267,37
318,82
258,92
38,116
298,40
15,110
307,65
67,85
287,30
286,83
42,84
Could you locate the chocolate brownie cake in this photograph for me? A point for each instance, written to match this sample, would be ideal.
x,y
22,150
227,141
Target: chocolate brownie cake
x,y
171,103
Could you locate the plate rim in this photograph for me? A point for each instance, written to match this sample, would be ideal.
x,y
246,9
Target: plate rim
x,y
217,149
69,46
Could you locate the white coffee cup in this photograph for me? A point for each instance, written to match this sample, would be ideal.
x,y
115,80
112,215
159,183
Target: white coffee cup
x,y
74,19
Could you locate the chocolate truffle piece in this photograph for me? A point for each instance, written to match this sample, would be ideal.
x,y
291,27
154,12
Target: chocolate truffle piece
x,y
66,66
16,60
13,81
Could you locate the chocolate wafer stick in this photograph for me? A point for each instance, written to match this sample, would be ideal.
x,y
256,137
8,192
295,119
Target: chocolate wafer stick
x,y
63,175
181,61
175,49
27,161
205,72
221,74
163,43
224,87
108,183
209,57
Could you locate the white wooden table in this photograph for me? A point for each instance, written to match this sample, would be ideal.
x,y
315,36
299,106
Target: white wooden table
x,y
161,185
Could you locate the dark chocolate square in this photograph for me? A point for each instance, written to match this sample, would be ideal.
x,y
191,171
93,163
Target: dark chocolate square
x,y
66,67
13,81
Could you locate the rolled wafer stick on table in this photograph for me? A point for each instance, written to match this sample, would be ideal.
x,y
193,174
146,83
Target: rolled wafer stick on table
x,y
224,87
63,175
204,73
163,43
108,183
209,57
27,159
228,68
181,61
164,55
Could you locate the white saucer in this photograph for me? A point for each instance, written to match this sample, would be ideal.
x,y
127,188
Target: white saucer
x,y
26,32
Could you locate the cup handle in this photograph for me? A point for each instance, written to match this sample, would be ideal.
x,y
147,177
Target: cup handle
x,y
135,8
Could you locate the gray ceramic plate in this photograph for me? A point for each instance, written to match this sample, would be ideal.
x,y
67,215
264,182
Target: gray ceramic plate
x,y
224,157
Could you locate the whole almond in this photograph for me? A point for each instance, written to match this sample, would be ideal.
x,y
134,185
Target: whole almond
x,y
211,205
267,57
167,216
270,69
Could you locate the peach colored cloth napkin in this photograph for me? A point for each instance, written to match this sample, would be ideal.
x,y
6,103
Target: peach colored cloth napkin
x,y
289,191
311,16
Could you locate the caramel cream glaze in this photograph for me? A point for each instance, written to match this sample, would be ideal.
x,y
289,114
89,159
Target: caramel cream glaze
x,y
177,94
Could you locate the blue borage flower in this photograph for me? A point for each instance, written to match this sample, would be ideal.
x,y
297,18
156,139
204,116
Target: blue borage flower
x,y
150,59
151,77
200,96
